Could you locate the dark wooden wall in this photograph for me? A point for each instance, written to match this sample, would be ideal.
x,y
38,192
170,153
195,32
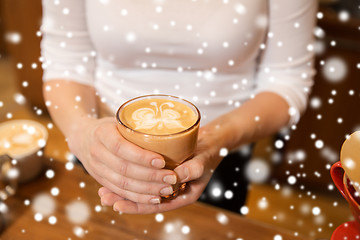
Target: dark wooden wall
x,y
24,18
339,110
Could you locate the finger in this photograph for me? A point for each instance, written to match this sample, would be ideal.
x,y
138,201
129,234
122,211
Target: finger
x,y
110,198
190,170
102,191
115,143
132,170
129,207
132,185
133,196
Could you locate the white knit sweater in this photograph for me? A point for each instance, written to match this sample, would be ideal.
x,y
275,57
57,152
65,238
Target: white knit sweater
x,y
215,53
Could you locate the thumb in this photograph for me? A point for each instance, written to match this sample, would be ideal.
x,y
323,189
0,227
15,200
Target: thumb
x,y
190,170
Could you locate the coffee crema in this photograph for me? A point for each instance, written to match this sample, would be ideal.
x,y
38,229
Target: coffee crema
x,y
158,116
19,138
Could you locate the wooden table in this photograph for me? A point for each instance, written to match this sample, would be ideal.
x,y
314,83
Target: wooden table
x,y
63,204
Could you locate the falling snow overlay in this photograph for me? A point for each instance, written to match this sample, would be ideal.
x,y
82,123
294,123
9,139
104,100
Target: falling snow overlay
x,y
289,182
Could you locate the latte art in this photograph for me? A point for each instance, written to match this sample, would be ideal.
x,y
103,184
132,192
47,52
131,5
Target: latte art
x,y
147,118
158,116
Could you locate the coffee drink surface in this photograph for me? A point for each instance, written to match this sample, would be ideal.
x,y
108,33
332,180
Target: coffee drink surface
x,y
19,138
158,116
21,141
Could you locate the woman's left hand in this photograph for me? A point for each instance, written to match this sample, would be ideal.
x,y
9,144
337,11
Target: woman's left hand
x,y
196,172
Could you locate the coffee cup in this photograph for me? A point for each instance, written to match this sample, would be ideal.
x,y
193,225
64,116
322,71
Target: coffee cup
x,y
346,175
347,190
21,156
164,124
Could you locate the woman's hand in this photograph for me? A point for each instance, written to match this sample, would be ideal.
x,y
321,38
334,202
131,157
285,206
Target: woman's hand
x,y
125,169
196,172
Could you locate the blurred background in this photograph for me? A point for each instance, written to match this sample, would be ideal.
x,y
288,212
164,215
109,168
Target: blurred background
x,y
289,173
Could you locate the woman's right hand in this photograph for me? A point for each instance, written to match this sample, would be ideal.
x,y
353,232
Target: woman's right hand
x,y
119,165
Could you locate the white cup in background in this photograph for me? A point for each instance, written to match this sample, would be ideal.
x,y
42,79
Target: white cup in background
x,y
21,156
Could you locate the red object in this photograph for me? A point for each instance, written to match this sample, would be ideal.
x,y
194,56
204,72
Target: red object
x,y
343,184
348,230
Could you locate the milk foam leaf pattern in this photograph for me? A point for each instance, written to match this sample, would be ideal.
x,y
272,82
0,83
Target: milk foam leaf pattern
x,y
170,119
144,118
147,118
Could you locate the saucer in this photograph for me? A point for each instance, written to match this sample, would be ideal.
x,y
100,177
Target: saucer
x,y
346,231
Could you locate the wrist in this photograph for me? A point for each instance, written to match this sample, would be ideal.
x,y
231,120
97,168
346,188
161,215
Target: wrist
x,y
215,139
221,135
78,125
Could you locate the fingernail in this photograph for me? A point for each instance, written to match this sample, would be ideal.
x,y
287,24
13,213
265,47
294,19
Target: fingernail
x,y
115,208
186,171
158,163
100,193
170,179
166,191
155,201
